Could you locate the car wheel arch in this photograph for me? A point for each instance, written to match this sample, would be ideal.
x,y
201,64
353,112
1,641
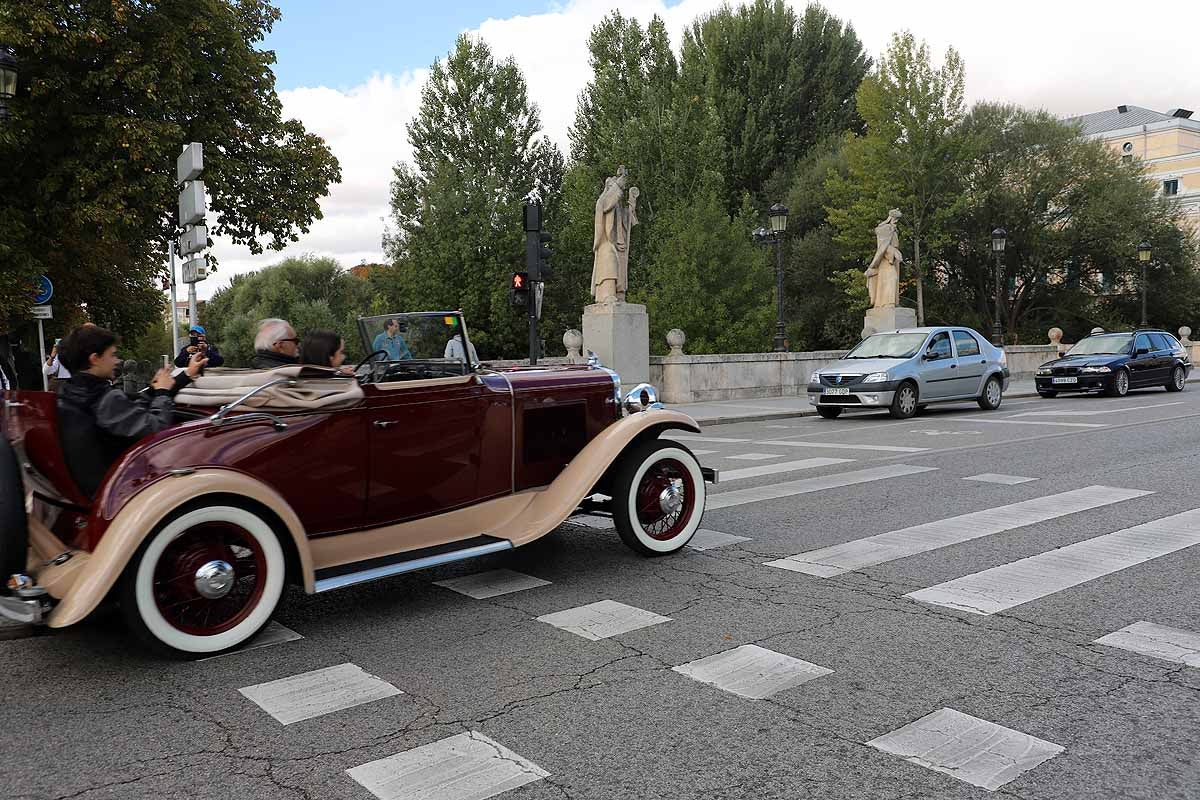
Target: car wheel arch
x,y
648,434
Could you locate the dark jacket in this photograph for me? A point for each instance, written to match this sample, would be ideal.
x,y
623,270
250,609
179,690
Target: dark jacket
x,y
269,359
215,359
98,422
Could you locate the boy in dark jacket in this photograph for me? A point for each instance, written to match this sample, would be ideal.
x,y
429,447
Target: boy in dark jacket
x,y
198,343
98,421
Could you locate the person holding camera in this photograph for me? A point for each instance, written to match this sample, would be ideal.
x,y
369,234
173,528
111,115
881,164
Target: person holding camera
x,y
53,369
198,343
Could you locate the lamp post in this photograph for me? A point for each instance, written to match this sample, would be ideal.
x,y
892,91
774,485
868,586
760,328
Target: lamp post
x,y
1144,253
999,237
8,79
778,216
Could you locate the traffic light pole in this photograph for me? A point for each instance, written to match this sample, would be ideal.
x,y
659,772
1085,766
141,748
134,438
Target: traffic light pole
x,y
534,266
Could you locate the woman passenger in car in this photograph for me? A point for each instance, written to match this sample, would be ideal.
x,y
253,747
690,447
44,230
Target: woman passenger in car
x,y
323,349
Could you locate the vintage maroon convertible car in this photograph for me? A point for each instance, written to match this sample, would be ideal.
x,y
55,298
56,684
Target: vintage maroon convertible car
x,y
301,475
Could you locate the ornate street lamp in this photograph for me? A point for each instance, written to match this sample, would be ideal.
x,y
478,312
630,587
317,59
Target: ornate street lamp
x,y
778,216
1144,253
999,237
8,79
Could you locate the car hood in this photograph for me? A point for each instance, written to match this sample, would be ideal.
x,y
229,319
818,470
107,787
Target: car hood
x,y
862,366
1098,360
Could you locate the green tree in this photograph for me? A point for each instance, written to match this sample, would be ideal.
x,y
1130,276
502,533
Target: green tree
x,y
109,93
779,84
909,157
309,292
456,210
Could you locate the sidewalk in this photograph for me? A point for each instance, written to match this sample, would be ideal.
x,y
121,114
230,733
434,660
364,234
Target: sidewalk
x,y
756,409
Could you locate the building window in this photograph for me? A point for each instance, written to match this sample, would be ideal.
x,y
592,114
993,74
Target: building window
x,y
1127,159
1171,187
1127,147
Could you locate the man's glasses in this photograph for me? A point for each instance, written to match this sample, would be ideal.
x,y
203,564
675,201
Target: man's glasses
x,y
293,339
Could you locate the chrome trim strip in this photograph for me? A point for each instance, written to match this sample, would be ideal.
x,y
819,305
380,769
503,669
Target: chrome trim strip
x,y
219,418
27,611
512,405
367,575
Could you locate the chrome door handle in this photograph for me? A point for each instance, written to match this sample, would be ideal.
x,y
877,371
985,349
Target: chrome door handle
x,y
384,423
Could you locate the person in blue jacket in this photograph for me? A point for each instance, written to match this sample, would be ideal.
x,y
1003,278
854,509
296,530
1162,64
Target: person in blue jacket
x,y
391,342
198,343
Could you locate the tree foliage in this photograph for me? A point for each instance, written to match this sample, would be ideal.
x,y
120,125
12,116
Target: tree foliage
x,y
109,93
456,210
308,292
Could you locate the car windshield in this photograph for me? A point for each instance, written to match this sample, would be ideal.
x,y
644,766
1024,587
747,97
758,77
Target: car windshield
x,y
1113,344
418,345
888,345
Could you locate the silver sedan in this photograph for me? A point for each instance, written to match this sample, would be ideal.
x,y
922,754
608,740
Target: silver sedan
x,y
906,370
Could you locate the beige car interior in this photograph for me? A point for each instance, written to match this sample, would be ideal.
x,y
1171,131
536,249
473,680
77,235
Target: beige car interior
x,y
314,388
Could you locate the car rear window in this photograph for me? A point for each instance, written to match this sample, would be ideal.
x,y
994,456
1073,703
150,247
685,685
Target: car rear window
x,y
966,343
1161,341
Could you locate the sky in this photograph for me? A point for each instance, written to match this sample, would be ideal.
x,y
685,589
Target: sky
x,y
352,73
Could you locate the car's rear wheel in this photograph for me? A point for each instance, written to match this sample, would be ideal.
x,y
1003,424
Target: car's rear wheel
x,y
829,412
1047,394
658,497
206,581
1178,380
14,531
904,402
992,395
1118,386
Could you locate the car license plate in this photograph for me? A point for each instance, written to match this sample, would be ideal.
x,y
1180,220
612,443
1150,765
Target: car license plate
x,y
1064,380
836,390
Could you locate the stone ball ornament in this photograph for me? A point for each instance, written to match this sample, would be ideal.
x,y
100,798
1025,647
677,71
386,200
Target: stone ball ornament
x,y
1055,335
676,339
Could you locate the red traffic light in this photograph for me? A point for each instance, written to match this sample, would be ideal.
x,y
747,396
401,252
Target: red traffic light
x,y
518,280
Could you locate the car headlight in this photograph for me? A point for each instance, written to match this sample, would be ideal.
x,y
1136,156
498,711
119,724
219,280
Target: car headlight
x,y
1095,369
876,377
814,378
1044,371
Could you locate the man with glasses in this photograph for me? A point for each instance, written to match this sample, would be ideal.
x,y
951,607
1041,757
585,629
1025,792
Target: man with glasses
x,y
276,345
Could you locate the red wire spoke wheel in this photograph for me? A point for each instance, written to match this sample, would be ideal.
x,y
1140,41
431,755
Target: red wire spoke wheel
x,y
658,497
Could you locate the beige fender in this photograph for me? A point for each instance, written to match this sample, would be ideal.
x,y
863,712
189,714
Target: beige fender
x,y
520,518
550,507
143,513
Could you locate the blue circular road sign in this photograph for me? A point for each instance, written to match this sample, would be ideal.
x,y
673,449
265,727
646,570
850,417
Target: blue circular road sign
x,y
43,290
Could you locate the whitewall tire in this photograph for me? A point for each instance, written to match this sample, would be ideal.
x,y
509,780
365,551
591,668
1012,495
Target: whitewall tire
x,y
658,497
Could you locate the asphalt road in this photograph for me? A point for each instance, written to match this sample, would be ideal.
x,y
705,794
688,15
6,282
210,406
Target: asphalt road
x,y
557,715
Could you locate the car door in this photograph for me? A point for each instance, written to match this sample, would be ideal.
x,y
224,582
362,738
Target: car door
x,y
1142,363
1164,356
429,446
937,368
971,364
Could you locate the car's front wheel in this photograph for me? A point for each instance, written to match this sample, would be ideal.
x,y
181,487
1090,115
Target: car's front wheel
x,y
1178,380
1118,386
904,402
990,398
829,412
658,497
206,581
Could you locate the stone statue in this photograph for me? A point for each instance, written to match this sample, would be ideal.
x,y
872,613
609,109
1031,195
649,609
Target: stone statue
x,y
883,273
615,218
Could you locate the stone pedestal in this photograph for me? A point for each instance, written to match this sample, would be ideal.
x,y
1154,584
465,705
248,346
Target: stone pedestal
x,y
888,319
619,335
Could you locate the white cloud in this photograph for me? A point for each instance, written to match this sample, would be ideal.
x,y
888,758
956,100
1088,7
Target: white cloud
x,y
1067,57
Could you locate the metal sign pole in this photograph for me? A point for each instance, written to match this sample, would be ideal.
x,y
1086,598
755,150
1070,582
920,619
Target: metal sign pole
x,y
174,322
192,306
42,350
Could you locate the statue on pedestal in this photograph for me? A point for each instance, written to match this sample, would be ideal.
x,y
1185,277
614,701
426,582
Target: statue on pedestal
x,y
883,273
615,218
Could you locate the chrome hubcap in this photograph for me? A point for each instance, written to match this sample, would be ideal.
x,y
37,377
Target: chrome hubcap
x,y
670,499
1179,378
993,392
214,579
908,400
1122,383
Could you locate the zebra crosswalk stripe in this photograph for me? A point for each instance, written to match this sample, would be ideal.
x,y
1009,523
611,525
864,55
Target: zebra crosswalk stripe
x,y
775,491
1019,582
849,556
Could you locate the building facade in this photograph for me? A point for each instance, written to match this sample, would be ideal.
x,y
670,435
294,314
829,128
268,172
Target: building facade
x,y
1168,144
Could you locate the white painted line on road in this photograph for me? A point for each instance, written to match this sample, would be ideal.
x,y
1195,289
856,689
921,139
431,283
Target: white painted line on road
x,y
775,491
881,448
783,466
492,583
755,457
1087,413
1158,641
710,540
601,620
993,477
905,542
274,633
970,749
1023,422
751,671
689,438
1028,579
316,693
466,766
592,521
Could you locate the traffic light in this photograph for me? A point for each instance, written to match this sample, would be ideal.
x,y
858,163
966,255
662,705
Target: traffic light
x,y
518,289
545,271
